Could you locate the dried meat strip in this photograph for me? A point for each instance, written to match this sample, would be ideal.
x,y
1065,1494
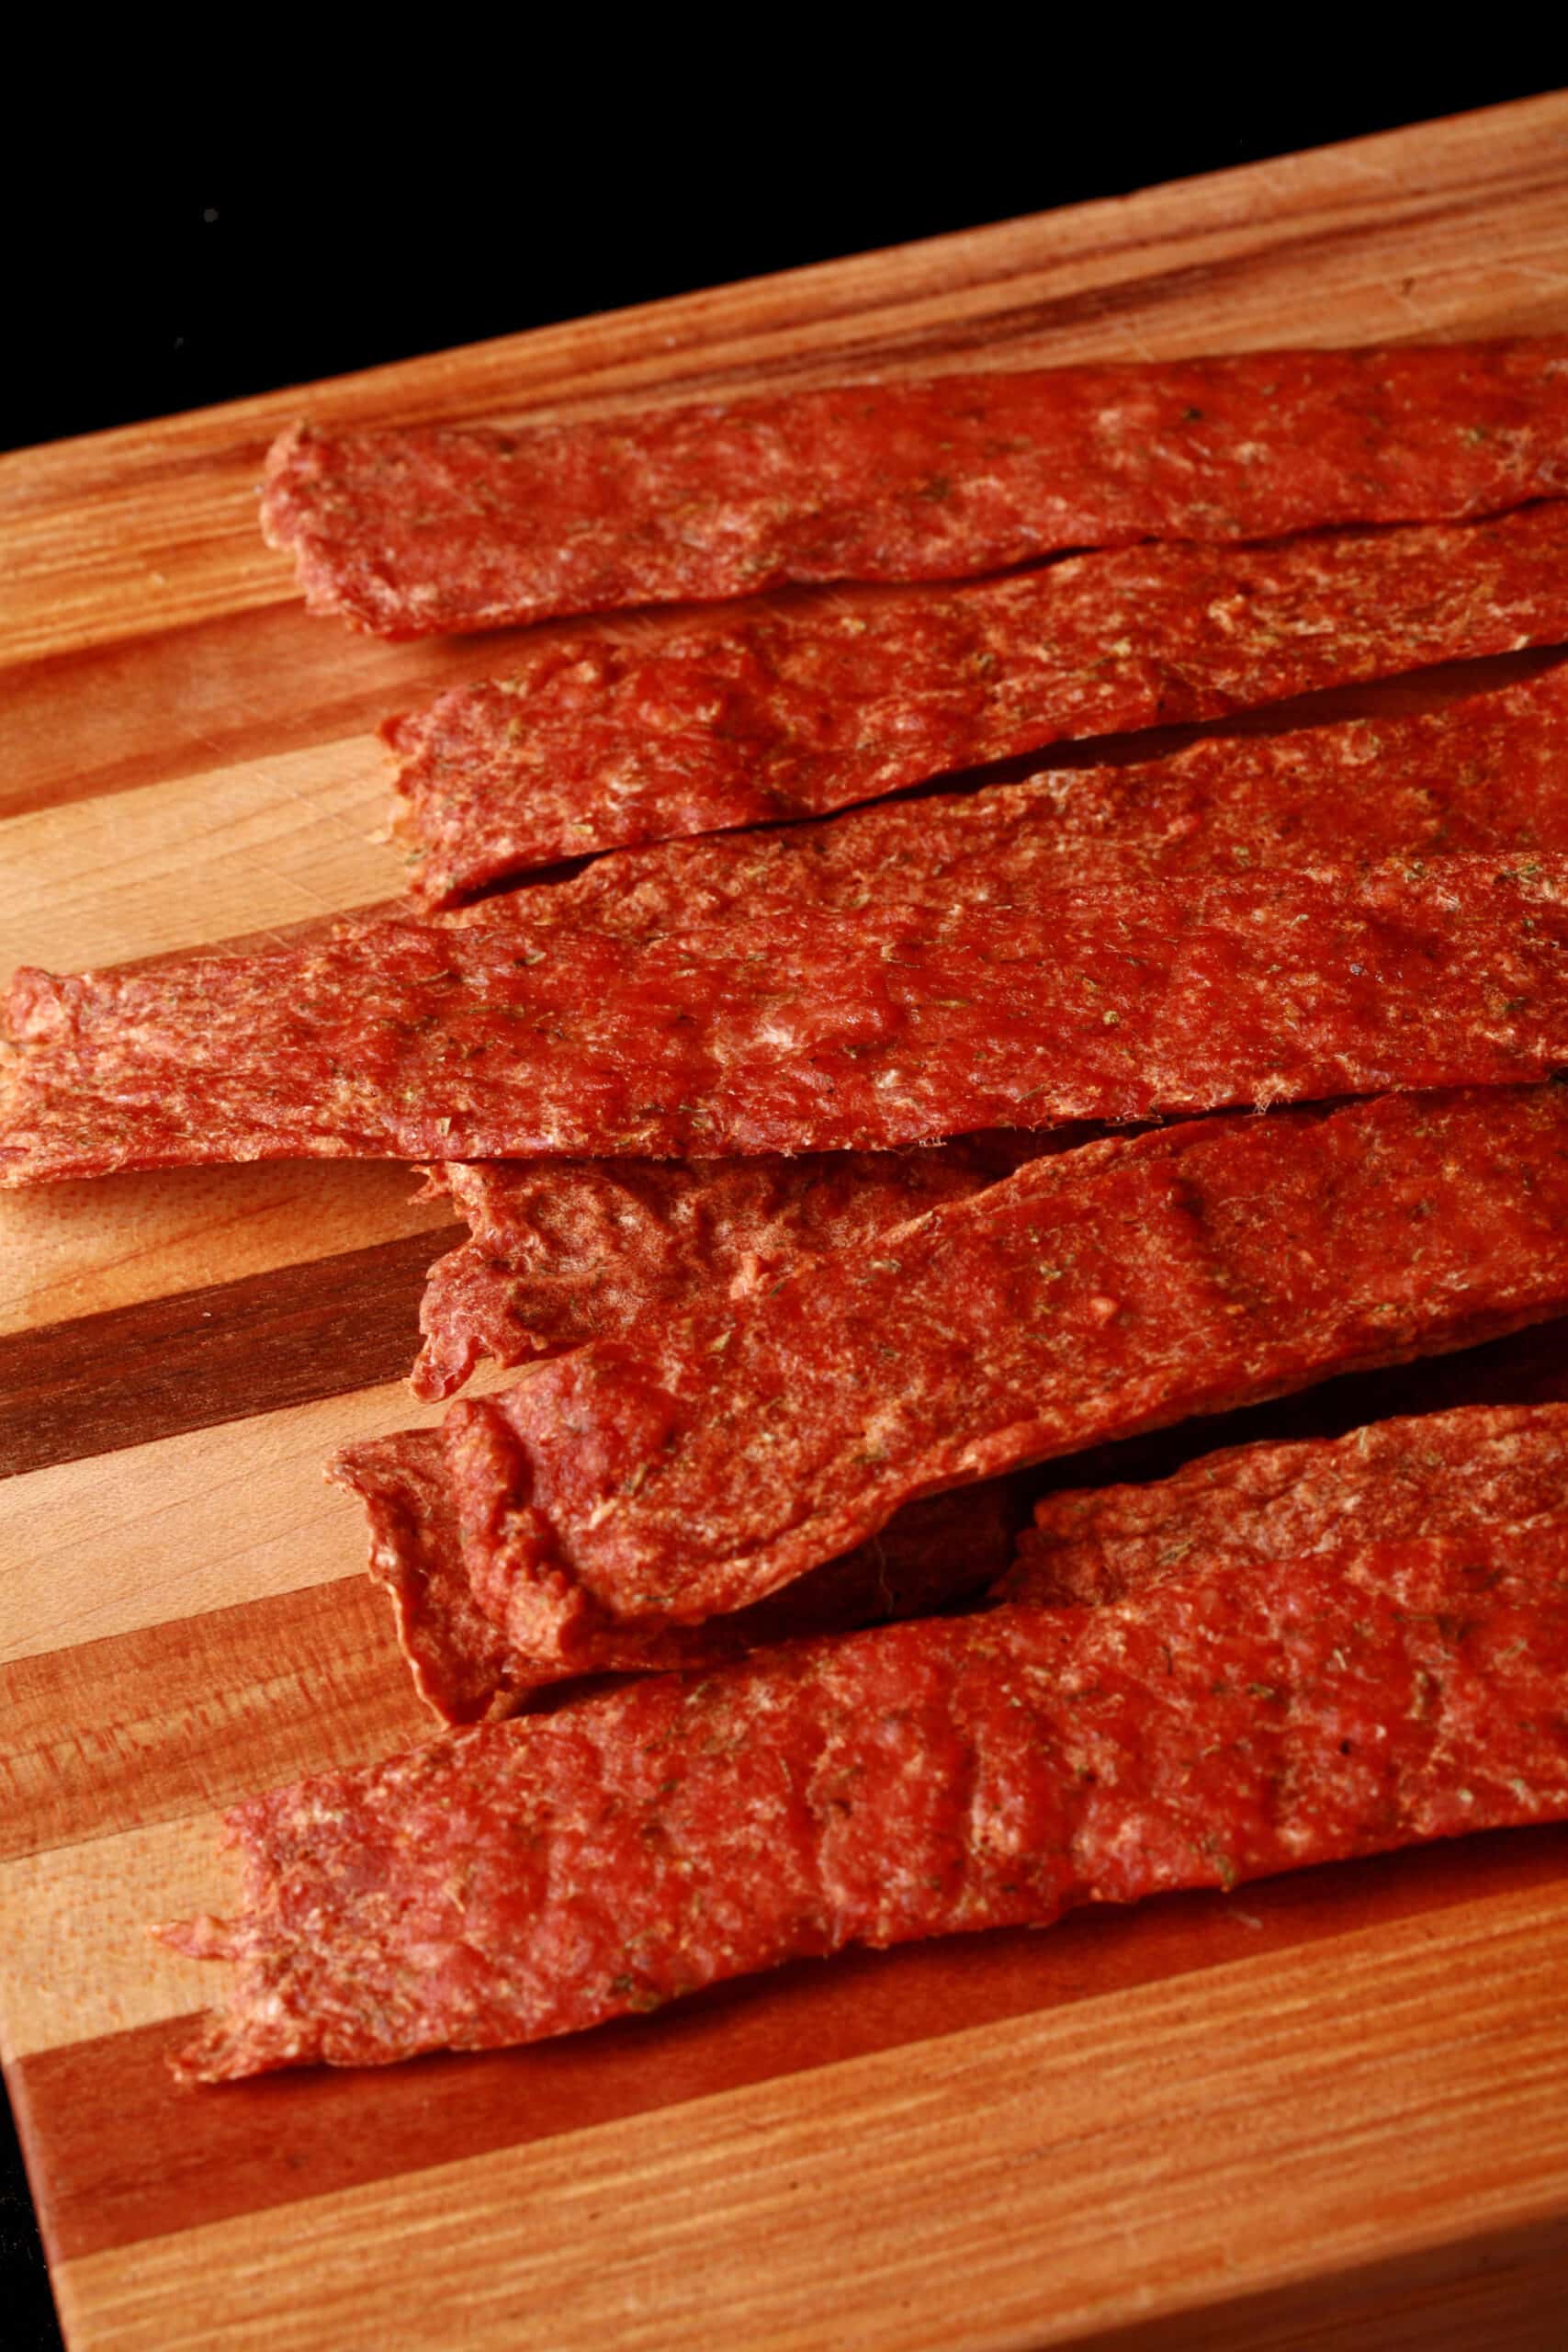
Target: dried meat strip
x,y
599,743
409,531
561,1251
538,1877
799,1031
694,1466
1486,773
564,1250
1432,1473
929,1555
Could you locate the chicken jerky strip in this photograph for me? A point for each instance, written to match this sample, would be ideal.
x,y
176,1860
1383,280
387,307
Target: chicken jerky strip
x,y
536,1877
796,1031
774,714
694,1466
410,531
561,1251
1432,1473
929,1554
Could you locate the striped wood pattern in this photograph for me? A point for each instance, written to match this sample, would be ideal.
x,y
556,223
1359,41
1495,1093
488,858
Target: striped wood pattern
x,y
1321,2112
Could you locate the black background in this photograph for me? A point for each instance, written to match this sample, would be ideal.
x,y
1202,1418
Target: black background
x,y
159,290
174,282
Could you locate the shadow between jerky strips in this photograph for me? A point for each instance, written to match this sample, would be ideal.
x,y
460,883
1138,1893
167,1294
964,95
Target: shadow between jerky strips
x,y
539,1877
412,530
688,1469
798,1032
787,712
565,1250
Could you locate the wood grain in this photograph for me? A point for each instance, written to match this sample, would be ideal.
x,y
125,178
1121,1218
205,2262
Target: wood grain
x,y
166,1719
77,1249
1033,2156
185,1524
218,1353
320,2134
1327,2111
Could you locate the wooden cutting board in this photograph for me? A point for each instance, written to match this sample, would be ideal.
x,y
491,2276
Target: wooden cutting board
x,y
1330,2110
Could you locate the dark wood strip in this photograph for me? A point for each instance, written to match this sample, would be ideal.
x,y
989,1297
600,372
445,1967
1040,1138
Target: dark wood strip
x,y
120,2154
164,1365
1500,2289
190,1716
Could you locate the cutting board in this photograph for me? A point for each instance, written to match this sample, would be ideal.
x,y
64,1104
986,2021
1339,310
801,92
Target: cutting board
x,y
1328,2110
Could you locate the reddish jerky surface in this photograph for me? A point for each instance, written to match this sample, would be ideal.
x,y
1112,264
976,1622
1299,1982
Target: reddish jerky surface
x,y
1433,1474
928,1555
533,1878
1488,773
597,741
704,1460
796,1030
413,531
565,1250
562,1251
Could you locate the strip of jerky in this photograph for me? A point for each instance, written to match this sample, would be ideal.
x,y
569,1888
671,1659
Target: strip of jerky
x,y
1432,1473
409,531
929,1555
798,1032
1487,773
538,1877
564,1250
561,1251
599,743
696,1464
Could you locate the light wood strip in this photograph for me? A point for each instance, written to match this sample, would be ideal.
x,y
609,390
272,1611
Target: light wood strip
x,y
173,1719
108,717
271,842
189,1524
154,526
78,1249
1298,2118
79,1960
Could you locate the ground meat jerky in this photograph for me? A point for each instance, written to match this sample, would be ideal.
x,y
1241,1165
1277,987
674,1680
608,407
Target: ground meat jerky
x,y
1433,1474
409,532
597,742
928,1555
797,1031
1486,773
701,1462
533,1878
565,1250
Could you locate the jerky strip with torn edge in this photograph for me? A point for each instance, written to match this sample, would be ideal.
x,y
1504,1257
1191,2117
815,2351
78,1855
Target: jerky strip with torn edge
x,y
931,1555
1431,1474
798,1032
699,1463
538,1877
600,741
563,1252
414,530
